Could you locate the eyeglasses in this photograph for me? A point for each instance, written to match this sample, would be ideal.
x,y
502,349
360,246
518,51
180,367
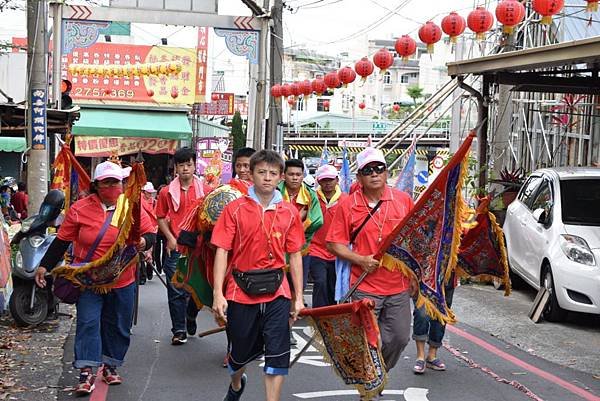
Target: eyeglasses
x,y
368,170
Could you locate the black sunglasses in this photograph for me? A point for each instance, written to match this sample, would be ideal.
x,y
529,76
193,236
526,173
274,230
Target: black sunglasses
x,y
368,170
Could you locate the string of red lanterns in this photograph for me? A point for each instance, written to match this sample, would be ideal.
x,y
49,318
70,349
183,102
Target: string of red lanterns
x,y
509,13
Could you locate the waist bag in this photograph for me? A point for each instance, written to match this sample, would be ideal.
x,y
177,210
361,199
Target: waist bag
x,y
259,282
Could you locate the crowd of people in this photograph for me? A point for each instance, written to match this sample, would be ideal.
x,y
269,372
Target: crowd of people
x,y
13,199
268,244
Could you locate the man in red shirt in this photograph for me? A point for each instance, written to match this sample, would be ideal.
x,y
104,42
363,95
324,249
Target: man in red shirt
x,y
257,231
19,200
174,201
322,262
382,208
241,163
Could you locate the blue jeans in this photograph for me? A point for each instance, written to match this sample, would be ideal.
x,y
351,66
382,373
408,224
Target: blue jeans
x,y
177,298
323,274
428,329
103,327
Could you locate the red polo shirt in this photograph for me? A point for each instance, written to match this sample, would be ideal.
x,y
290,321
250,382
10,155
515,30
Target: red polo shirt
x,y
82,225
318,245
165,210
243,229
350,214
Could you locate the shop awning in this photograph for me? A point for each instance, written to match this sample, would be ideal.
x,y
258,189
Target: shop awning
x,y
11,144
133,123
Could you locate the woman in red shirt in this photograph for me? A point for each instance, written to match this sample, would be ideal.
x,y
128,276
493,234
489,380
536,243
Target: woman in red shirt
x,y
103,320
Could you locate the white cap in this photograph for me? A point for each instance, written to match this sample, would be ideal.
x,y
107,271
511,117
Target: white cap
x,y
309,180
369,155
149,187
110,170
326,171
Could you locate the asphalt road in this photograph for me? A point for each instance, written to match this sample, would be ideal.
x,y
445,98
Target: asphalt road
x,y
480,366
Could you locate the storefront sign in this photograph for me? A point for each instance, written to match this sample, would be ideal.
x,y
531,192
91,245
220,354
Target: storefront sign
x,y
222,106
99,146
201,64
174,88
38,119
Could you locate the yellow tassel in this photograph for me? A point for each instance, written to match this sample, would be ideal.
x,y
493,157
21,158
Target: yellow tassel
x,y
503,254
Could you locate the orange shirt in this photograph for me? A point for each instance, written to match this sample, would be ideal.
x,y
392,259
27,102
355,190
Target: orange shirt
x,y
350,214
82,225
318,245
243,229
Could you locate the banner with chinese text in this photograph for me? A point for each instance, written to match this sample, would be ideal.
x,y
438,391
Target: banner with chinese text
x,y
100,146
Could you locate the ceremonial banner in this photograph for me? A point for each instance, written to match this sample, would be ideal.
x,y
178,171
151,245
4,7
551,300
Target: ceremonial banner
x,y
101,146
69,176
406,179
482,251
101,274
425,243
345,178
348,336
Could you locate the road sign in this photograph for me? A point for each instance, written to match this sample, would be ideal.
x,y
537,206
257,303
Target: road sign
x,y
80,12
244,23
422,177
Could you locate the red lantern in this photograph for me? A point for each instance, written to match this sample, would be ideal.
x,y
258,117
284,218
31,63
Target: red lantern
x,y
346,75
406,47
276,91
453,25
326,105
306,87
510,13
592,5
150,92
430,34
332,80
480,21
364,67
291,100
286,90
361,105
396,107
295,89
548,8
383,59
174,93
318,86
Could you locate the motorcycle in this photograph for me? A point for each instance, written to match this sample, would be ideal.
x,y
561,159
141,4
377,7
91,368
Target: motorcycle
x,y
28,304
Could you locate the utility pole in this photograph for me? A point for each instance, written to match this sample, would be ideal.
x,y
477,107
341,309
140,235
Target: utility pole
x,y
37,98
276,75
56,52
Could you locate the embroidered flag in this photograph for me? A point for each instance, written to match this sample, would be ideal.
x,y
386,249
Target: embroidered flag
x,y
345,179
482,251
314,216
406,179
425,243
69,176
348,337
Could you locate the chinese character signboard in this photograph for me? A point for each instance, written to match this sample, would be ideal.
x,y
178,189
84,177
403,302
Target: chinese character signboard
x,y
201,64
100,146
38,119
175,88
222,106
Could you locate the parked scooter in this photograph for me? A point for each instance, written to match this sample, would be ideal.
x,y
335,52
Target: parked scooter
x,y
30,305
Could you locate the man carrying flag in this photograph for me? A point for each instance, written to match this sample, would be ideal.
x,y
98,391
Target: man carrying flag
x,y
364,219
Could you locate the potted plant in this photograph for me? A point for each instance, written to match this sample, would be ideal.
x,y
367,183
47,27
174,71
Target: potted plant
x,y
512,181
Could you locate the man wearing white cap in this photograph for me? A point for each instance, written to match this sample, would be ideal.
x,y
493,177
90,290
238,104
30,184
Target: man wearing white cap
x,y
322,262
368,216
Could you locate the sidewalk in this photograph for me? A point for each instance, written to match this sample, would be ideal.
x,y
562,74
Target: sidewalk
x,y
31,359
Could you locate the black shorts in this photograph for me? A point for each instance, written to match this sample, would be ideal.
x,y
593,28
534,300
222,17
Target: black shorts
x,y
260,329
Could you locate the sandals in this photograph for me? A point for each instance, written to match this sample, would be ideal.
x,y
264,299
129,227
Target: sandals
x,y
436,364
419,367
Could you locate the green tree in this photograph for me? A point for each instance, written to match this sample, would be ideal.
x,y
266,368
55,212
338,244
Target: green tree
x,y
237,131
415,92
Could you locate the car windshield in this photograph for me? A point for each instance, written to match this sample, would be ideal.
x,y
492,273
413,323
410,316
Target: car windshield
x,y
580,200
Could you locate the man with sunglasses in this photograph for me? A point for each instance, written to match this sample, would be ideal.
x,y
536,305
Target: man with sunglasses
x,y
380,208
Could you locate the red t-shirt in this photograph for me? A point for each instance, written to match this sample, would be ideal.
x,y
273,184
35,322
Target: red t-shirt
x,y
241,231
350,214
19,201
82,225
318,245
164,207
149,206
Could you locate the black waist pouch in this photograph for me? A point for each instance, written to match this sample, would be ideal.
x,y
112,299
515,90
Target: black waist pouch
x,y
259,282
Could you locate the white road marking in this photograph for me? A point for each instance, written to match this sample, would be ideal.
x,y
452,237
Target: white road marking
x,y
410,394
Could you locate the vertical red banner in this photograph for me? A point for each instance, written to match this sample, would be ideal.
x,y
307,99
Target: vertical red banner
x,y
201,64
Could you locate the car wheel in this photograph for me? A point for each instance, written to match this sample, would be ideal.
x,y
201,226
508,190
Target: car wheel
x,y
553,311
